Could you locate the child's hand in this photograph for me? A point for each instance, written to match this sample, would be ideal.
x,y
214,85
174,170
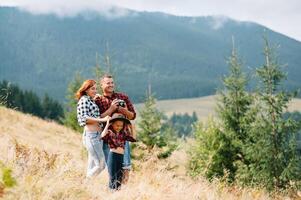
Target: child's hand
x,y
96,96
108,118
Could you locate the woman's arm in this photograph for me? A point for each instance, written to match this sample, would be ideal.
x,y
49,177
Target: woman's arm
x,y
92,120
84,115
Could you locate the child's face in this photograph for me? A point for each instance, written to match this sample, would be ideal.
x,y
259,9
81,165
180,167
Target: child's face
x,y
117,126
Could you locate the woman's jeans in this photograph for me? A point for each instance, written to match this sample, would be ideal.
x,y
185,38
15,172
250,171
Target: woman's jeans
x,y
95,154
126,156
115,170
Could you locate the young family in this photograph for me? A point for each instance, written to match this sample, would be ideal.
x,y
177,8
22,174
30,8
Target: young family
x,y
107,129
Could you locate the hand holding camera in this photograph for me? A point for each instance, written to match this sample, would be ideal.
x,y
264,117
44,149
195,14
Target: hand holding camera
x,y
121,103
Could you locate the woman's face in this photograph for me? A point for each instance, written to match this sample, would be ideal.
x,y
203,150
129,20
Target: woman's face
x,y
92,91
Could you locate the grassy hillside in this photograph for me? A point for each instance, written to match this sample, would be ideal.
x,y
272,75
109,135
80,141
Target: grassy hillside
x,y
49,162
203,106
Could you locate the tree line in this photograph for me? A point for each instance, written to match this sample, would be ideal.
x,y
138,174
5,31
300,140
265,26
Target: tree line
x,y
12,96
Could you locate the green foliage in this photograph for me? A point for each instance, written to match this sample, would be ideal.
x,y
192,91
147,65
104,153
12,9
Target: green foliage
x,y
202,153
233,107
150,124
254,142
297,117
271,147
151,132
7,180
224,145
182,124
52,109
70,119
170,138
209,156
13,97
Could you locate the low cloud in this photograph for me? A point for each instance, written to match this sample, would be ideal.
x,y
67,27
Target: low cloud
x,y
279,15
218,22
69,8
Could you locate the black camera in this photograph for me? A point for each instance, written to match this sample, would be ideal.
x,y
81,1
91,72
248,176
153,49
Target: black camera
x,y
121,103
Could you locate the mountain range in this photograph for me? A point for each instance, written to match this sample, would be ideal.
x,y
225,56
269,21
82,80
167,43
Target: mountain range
x,y
178,56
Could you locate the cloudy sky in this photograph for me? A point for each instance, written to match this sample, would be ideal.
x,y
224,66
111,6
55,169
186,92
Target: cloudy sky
x,y
283,16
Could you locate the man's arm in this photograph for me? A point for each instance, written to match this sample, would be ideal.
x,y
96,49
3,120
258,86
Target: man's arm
x,y
108,112
129,110
113,107
130,115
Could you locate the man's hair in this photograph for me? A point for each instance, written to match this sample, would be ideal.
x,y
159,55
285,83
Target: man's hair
x,y
106,76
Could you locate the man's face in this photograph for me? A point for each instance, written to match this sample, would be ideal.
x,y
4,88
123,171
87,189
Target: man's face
x,y
107,85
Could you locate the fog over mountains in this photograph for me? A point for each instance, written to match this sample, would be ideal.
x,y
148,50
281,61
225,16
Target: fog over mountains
x,y
179,56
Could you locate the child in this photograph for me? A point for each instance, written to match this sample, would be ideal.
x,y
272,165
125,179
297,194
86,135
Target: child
x,y
115,136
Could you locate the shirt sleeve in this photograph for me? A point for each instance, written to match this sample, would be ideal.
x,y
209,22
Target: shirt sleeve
x,y
128,135
130,105
82,111
107,136
98,102
130,138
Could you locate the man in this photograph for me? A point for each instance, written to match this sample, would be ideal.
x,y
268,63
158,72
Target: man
x,y
110,103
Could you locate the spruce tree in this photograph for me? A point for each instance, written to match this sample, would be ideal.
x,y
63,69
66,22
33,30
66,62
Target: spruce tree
x,y
233,105
221,142
150,124
52,109
152,132
271,147
70,119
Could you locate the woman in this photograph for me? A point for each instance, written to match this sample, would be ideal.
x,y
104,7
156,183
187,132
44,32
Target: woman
x,y
88,115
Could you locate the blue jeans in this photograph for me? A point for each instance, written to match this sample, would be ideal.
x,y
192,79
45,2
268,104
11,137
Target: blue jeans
x,y
95,155
115,170
126,156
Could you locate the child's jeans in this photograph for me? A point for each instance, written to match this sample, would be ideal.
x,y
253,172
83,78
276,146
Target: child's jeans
x,y
126,155
115,170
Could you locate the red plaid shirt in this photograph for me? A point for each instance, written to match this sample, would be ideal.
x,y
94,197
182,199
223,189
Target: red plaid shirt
x,y
104,102
115,140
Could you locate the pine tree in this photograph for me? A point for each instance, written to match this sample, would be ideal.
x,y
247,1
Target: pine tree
x,y
152,132
271,148
70,119
233,106
222,142
207,156
150,124
32,104
52,109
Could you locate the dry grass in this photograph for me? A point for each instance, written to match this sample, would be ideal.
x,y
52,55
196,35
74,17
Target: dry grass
x,y
49,162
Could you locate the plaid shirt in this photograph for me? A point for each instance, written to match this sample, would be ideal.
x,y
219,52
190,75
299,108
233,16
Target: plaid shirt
x,y
86,107
104,102
115,140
